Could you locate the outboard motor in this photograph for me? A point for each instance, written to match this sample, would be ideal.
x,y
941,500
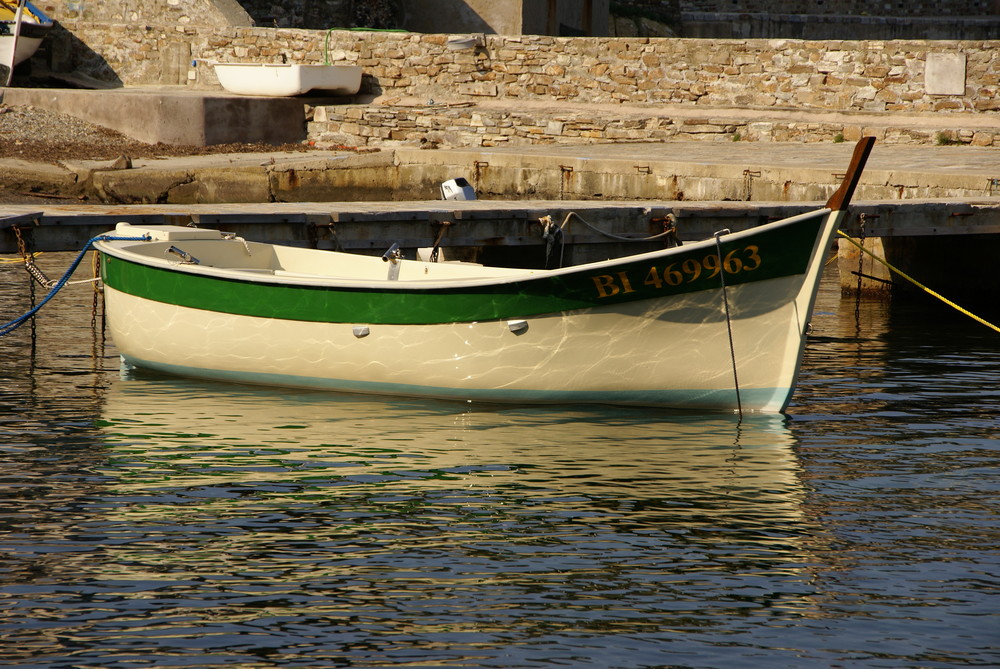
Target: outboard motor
x,y
457,189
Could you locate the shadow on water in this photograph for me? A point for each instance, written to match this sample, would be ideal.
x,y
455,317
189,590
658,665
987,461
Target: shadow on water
x,y
912,356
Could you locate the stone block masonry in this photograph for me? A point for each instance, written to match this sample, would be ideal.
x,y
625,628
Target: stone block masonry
x,y
935,8
587,89
443,125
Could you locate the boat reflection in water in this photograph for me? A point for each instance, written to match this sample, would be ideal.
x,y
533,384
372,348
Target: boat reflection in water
x,y
301,446
365,523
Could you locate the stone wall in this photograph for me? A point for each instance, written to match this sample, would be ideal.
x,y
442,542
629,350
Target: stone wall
x,y
176,12
319,14
442,126
300,13
454,16
463,16
934,8
716,25
536,89
838,75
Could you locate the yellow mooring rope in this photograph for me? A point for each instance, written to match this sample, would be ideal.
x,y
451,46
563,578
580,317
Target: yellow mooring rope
x,y
918,284
19,261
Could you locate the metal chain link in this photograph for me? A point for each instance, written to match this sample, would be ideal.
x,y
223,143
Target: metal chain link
x,y
861,266
22,248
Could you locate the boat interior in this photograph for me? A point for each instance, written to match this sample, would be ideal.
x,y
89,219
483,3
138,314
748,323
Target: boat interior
x,y
219,253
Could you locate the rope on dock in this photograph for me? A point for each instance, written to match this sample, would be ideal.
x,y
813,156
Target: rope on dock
x,y
668,221
918,284
10,326
18,261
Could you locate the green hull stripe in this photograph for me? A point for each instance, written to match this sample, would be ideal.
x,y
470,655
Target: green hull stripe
x,y
776,252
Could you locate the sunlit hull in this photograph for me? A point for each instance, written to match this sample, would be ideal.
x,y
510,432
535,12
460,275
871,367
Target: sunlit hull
x,y
643,330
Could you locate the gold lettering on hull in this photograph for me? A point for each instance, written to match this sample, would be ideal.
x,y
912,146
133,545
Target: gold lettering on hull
x,y
606,286
737,261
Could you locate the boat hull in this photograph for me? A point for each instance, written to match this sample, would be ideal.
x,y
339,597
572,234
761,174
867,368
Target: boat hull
x,y
658,329
25,49
288,80
640,353
33,29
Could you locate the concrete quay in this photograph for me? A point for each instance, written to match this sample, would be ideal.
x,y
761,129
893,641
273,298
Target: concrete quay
x,y
676,170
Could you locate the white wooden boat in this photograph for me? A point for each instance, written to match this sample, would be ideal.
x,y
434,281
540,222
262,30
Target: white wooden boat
x,y
717,324
287,79
22,30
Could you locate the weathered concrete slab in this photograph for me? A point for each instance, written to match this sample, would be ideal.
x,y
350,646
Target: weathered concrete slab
x,y
175,115
29,177
664,171
717,171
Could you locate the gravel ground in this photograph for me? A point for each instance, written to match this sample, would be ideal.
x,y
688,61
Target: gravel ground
x,y
39,135
43,136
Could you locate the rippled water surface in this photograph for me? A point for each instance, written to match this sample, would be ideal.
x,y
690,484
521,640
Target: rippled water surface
x,y
149,521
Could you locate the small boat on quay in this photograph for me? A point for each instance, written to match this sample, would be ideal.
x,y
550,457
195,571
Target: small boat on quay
x,y
288,79
718,324
22,28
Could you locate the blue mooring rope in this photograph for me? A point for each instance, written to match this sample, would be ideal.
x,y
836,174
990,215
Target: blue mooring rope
x,y
10,326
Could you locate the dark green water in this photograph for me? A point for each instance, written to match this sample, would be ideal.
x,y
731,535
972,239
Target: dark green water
x,y
156,522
